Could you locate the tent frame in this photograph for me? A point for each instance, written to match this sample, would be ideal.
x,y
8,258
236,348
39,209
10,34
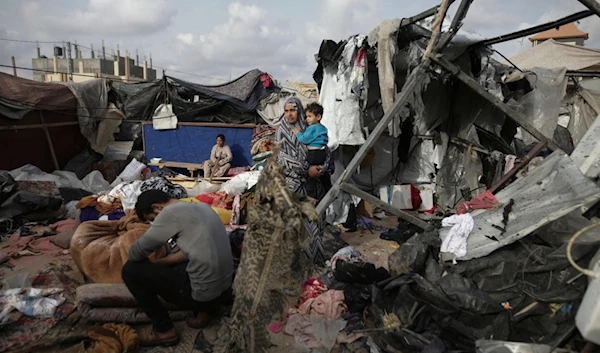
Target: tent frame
x,y
419,73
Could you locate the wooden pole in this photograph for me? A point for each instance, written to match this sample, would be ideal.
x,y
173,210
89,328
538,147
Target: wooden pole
x,y
351,189
50,145
14,65
37,126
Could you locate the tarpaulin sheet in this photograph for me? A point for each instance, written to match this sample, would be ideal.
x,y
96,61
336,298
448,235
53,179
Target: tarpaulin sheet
x,y
245,92
92,103
550,191
18,96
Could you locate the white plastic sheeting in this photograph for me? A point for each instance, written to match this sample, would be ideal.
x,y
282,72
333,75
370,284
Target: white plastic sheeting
x,y
587,153
341,94
550,191
93,182
541,107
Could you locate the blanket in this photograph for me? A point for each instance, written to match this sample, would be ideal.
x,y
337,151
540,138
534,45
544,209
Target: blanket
x,y
101,248
104,303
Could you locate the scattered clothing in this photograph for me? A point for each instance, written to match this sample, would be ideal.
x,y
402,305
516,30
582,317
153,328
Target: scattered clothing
x,y
64,225
486,201
359,272
456,240
113,338
103,204
162,184
99,248
345,254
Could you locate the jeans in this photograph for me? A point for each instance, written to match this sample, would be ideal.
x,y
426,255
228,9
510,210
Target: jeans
x,y
147,281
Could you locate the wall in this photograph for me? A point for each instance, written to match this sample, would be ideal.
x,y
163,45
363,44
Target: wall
x,y
193,143
97,65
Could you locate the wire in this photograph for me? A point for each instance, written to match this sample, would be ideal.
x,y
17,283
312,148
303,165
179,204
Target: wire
x,y
58,72
585,271
29,41
163,68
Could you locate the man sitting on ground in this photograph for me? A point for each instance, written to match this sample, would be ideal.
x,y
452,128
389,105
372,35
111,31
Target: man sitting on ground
x,y
195,278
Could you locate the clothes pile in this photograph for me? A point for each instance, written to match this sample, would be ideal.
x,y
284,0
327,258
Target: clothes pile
x,y
262,145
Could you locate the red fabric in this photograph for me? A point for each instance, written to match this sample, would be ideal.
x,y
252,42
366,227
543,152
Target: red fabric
x,y
487,201
415,196
63,226
266,80
313,287
237,170
216,199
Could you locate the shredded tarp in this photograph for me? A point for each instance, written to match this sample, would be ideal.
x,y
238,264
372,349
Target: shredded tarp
x,y
92,103
583,109
552,54
587,154
541,106
342,92
550,191
245,92
19,96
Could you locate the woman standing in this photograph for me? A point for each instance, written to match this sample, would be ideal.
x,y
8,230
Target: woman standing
x,y
292,156
220,159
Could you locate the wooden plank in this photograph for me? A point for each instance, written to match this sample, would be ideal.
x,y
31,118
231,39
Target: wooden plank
x,y
475,86
188,166
239,126
388,208
38,126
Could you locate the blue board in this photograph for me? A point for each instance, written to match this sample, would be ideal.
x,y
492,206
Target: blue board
x,y
192,144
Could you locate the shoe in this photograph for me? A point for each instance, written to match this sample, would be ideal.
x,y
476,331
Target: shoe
x,y
150,338
200,321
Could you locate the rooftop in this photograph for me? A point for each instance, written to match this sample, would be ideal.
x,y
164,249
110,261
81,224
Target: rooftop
x,y
569,30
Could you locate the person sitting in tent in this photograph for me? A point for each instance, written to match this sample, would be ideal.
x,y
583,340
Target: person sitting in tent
x,y
220,159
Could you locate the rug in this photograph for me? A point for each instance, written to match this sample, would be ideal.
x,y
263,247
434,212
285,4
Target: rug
x,y
29,329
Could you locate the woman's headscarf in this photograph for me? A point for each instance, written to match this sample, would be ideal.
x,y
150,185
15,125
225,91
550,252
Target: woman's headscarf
x,y
292,154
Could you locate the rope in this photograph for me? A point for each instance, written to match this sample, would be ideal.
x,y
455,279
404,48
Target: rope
x,y
586,272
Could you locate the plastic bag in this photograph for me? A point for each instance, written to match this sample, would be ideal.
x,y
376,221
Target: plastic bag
x,y
202,187
128,193
95,182
132,172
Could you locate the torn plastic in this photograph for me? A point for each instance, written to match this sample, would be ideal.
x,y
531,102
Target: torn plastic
x,y
92,101
550,191
583,110
541,106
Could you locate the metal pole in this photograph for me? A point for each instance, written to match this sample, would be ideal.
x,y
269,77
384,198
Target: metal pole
x,y
535,29
524,161
593,5
351,189
69,62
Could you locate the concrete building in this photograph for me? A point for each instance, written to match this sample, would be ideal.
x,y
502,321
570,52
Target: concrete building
x,y
115,67
566,34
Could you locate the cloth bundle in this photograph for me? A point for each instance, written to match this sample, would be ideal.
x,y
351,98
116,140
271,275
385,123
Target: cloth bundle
x,y
101,248
104,303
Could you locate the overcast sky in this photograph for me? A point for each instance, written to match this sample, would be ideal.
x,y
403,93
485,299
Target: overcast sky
x,y
216,40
